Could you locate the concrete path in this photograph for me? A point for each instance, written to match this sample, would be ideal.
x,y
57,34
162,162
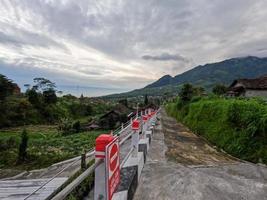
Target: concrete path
x,y
181,165
20,189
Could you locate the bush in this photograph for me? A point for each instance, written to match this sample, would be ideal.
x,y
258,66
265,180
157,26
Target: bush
x,y
22,155
77,126
238,126
65,126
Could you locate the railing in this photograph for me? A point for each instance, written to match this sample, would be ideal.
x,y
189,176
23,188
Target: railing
x,y
124,132
70,187
125,128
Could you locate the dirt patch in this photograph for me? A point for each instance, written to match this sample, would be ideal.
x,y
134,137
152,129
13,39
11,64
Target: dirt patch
x,y
187,148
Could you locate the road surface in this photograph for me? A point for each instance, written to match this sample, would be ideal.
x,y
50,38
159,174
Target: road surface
x,y
181,165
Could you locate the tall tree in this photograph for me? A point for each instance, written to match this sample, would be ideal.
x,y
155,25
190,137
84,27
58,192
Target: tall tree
x,y
6,87
50,96
44,84
186,93
146,100
219,89
22,155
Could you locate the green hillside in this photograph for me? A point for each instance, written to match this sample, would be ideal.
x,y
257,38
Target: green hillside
x,y
205,75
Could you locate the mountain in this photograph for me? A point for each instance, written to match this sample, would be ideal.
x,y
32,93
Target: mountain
x,y
206,76
165,80
222,72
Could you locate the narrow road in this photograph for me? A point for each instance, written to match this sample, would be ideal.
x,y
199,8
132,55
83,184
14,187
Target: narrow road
x,y
181,165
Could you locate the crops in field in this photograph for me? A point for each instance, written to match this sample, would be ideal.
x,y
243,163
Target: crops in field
x,y
46,146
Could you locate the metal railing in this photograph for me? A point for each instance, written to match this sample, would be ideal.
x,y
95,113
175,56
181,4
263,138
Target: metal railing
x,y
70,187
124,132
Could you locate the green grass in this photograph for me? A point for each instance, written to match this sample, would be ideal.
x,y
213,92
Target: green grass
x,y
46,146
239,126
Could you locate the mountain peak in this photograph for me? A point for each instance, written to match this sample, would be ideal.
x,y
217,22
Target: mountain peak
x,y
220,72
164,80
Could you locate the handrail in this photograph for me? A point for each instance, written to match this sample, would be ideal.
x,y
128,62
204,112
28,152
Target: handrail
x,y
126,158
28,196
70,187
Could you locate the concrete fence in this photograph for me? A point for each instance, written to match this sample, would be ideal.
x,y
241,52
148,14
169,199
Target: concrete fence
x,y
114,179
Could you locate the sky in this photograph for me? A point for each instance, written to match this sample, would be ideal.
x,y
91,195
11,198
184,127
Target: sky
x,y
99,47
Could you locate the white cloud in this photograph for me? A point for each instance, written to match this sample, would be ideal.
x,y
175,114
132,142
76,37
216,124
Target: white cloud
x,y
119,43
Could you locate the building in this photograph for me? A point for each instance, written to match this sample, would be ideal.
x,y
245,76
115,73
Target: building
x,y
256,87
115,117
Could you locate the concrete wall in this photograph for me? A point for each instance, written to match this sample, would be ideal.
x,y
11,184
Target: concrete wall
x,y
256,93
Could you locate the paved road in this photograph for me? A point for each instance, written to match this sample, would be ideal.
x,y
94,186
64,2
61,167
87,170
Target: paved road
x,y
182,166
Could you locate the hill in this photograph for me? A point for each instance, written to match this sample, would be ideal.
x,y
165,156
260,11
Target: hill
x,y
206,76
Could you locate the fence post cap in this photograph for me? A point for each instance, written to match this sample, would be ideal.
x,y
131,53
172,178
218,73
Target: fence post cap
x,y
135,124
100,143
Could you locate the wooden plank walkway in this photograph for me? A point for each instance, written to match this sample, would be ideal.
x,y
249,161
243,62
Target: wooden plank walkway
x,y
20,189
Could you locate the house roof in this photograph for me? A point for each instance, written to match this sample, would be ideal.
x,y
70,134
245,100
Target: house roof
x,y
108,113
256,83
118,109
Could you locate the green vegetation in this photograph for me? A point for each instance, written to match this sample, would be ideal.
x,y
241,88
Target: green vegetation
x,y
40,105
205,76
239,126
22,155
219,89
38,128
45,146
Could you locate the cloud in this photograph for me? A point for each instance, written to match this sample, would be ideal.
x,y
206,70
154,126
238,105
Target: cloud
x,y
101,43
166,57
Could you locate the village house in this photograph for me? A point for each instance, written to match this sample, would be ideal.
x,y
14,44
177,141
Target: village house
x,y
256,87
114,118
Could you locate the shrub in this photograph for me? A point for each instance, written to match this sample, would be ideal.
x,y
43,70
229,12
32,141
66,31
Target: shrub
x,y
76,126
22,154
238,126
65,126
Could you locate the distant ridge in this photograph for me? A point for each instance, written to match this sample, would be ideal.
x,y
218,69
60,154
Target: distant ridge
x,y
207,76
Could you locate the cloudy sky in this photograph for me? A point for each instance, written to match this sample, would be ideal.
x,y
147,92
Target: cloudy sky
x,y
104,46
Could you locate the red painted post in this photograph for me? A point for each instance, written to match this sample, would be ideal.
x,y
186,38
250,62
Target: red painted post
x,y
107,174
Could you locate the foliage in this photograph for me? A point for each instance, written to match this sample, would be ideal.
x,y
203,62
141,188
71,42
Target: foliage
x,y
207,76
146,100
6,87
40,105
65,126
76,126
45,146
223,72
22,154
219,89
50,96
186,93
124,102
238,126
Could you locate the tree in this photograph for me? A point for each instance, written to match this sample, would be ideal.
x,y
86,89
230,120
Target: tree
x,y
199,91
44,84
186,93
50,96
77,126
146,100
124,102
33,97
22,155
219,89
6,87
